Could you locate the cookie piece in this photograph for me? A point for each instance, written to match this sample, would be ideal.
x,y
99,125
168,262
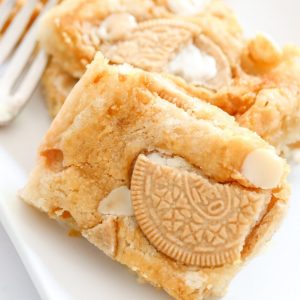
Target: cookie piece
x,y
174,47
188,217
117,119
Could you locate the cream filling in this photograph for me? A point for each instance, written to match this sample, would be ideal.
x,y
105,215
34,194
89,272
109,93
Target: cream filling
x,y
186,7
193,65
116,26
172,162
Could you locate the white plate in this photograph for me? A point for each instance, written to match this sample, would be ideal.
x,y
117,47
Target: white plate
x,y
70,268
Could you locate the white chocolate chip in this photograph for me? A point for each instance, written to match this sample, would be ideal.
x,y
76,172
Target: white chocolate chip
x,y
186,7
263,168
117,203
116,26
193,65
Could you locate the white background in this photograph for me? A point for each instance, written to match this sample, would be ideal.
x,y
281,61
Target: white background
x,y
279,18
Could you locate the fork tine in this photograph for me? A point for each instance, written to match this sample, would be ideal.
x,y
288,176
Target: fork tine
x,y
13,33
23,52
33,75
10,109
5,10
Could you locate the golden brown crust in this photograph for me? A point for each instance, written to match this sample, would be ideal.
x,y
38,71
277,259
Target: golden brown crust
x,y
111,116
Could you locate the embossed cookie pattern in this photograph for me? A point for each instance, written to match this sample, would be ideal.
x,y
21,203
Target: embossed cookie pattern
x,y
190,218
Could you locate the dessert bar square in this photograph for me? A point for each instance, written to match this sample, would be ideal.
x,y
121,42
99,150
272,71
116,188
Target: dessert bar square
x,y
166,184
203,50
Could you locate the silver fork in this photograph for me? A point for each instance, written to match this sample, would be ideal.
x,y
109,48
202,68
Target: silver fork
x,y
20,72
